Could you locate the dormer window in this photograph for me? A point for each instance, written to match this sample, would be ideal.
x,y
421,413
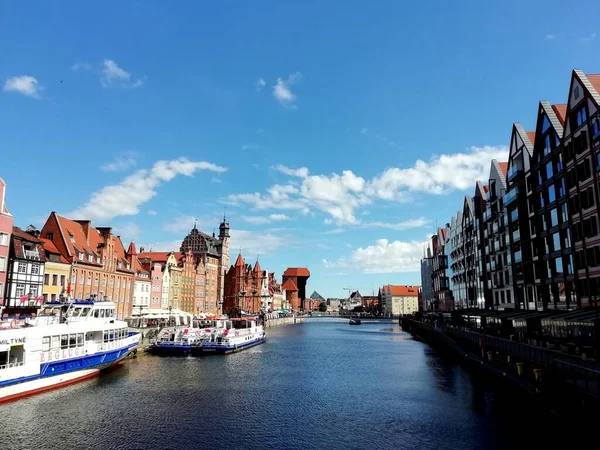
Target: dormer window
x,y
91,258
120,265
98,259
81,256
72,238
128,266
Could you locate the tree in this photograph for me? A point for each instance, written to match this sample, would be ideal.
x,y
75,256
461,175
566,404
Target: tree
x,y
323,307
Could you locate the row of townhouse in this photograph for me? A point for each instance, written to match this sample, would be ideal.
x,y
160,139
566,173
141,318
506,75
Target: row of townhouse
x,y
529,237
71,258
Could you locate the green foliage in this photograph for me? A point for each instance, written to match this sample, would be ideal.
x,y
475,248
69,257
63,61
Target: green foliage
x,y
323,307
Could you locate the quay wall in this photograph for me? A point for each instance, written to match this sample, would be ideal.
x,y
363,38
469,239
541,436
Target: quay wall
x,y
270,323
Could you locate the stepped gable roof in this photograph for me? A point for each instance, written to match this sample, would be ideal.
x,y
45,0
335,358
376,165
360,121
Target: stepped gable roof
x,y
403,291
50,248
289,285
296,272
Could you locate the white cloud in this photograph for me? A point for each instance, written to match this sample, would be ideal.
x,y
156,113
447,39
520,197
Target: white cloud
x,y
255,243
24,84
282,90
260,84
128,231
180,224
126,197
152,212
216,180
121,163
383,257
399,226
113,75
161,246
589,37
340,196
335,231
259,220
81,66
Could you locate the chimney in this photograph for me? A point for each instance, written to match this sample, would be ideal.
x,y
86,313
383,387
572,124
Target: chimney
x,y
141,249
85,225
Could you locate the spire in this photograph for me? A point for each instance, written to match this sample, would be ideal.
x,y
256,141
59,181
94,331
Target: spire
x,y
195,221
239,262
132,250
257,268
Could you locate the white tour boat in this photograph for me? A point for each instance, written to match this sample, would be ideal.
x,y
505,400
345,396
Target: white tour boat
x,y
186,340
240,334
64,344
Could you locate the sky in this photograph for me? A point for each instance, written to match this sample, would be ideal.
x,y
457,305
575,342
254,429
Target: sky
x,y
334,135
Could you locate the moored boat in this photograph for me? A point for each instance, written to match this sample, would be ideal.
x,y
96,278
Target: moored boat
x,y
243,333
186,340
64,344
354,321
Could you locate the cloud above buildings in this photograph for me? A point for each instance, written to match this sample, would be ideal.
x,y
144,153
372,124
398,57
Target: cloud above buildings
x,y
340,196
382,257
120,163
115,76
260,220
126,197
23,84
282,90
254,243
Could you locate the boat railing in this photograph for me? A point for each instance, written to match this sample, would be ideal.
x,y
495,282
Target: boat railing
x,y
11,365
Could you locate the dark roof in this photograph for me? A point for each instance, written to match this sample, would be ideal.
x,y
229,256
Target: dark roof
x,y
316,296
19,238
202,243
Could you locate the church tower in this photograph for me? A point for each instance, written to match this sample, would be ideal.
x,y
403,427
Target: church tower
x,y
224,260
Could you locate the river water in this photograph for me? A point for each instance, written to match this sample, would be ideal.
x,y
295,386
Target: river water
x,y
321,385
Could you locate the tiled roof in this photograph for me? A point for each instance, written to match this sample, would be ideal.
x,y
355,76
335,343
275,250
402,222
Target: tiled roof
x,y
20,237
132,250
49,247
289,285
257,267
531,136
24,236
503,168
296,272
160,257
239,262
403,291
74,230
561,112
594,81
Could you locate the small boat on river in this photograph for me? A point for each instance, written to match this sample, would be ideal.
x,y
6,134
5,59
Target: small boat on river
x,y
186,340
354,321
240,334
65,343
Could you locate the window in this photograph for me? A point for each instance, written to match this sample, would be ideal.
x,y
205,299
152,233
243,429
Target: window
x,y
96,281
553,217
570,265
50,236
89,280
583,170
590,227
587,198
73,279
81,279
22,268
72,238
567,238
562,189
4,239
559,163
20,291
576,92
90,258
548,269
542,203
2,263
81,256
53,297
64,341
549,170
47,280
551,194
35,269
54,280
62,280
581,116
72,340
556,241
596,128
46,343
559,266
545,124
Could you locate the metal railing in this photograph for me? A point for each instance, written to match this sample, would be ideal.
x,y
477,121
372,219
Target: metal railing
x,y
32,254
11,365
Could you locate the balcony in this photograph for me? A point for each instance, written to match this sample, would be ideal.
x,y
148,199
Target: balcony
x,y
511,196
32,254
515,169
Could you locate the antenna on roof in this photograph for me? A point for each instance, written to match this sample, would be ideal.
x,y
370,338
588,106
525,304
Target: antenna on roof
x,y
195,220
224,213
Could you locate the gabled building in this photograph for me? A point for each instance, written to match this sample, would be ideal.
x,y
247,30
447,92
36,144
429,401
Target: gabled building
x,y
142,285
427,292
57,272
470,254
97,257
400,300
441,283
25,275
581,147
484,293
496,240
549,212
6,227
294,286
165,261
246,289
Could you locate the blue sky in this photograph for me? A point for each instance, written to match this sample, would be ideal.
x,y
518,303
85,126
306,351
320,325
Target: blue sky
x,y
305,119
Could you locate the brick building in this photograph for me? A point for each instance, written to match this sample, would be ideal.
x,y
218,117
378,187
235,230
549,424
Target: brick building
x,y
6,226
99,264
294,286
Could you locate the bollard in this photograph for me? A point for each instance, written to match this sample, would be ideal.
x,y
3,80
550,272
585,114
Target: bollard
x,y
520,368
490,356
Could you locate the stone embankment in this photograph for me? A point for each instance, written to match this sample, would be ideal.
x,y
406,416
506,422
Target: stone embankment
x,y
280,321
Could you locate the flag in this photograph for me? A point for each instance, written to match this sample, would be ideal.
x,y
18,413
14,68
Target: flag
x,y
69,288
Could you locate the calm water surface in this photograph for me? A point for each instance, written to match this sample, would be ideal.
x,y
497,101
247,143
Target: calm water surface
x,y
322,385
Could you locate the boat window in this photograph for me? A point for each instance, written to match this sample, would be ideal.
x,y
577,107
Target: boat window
x,y
55,342
76,312
111,335
85,312
72,340
64,341
101,313
45,343
96,313
105,335
79,339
